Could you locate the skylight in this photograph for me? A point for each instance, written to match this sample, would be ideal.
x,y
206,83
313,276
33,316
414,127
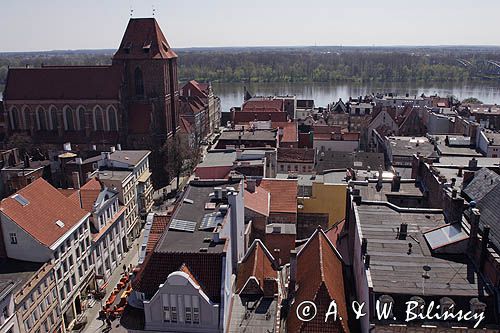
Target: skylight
x,y
60,223
19,198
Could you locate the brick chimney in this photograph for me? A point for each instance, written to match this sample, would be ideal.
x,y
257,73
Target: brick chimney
x,y
396,183
75,176
251,183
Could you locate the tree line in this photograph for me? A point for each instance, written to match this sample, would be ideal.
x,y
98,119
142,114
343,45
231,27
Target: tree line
x,y
285,65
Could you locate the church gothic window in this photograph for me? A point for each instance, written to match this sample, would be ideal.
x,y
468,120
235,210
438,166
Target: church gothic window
x,y
98,119
69,119
42,119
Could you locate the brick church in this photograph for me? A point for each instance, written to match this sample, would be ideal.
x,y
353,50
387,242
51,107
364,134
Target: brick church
x,y
133,102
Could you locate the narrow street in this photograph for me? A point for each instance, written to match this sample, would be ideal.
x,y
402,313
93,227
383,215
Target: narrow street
x,y
96,325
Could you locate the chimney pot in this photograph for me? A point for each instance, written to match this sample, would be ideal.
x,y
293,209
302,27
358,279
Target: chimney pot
x,y
76,180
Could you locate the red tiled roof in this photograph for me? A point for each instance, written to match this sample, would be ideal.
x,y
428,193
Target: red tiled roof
x,y
296,155
326,129
202,88
71,193
46,206
89,193
283,194
258,201
207,267
184,268
158,227
239,117
63,82
290,131
185,125
258,264
140,33
320,280
263,105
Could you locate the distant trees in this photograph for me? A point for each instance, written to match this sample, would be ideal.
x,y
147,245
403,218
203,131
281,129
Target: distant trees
x,y
179,158
471,100
291,65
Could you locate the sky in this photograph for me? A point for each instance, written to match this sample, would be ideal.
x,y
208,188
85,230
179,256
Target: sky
x,y
35,25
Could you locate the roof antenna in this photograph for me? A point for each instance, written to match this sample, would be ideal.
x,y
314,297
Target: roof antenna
x,y
153,10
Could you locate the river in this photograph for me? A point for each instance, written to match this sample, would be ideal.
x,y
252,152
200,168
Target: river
x,y
231,94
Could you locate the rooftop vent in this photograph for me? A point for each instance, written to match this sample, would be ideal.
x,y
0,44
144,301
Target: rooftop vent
x,y
203,249
189,201
60,223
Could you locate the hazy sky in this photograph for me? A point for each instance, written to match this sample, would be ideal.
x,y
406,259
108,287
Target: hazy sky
x,y
27,25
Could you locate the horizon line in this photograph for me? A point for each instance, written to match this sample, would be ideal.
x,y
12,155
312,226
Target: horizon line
x,y
278,46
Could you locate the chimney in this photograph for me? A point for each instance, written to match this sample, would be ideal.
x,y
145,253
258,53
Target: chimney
x,y
112,149
396,183
484,247
94,147
475,217
293,270
277,256
473,163
251,185
459,174
75,176
367,261
364,246
118,146
403,231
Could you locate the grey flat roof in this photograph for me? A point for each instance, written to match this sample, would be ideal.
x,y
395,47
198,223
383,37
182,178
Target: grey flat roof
x,y
191,242
218,158
463,161
370,192
129,156
394,271
407,146
119,175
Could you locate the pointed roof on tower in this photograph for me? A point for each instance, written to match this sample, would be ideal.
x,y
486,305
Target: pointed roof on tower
x,y
143,39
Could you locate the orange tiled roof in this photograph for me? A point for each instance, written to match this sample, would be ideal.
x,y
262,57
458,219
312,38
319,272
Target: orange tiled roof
x,y
258,201
257,263
320,280
290,131
283,194
89,193
46,205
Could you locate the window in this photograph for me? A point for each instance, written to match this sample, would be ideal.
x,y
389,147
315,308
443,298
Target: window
x,y
139,83
81,118
15,118
166,314
69,119
196,316
98,119
112,119
174,314
53,119
42,119
188,315
13,238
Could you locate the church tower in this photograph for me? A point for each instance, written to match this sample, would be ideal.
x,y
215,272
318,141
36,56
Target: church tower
x,y
150,95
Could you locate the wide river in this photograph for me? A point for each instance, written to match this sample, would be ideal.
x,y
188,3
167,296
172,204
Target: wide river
x,y
231,94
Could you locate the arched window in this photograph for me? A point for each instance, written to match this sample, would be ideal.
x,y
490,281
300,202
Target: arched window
x,y
42,119
69,119
112,119
81,118
15,118
447,305
139,82
53,118
24,119
98,119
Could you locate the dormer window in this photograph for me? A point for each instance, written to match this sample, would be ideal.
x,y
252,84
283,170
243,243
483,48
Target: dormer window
x,y
447,305
146,47
127,47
